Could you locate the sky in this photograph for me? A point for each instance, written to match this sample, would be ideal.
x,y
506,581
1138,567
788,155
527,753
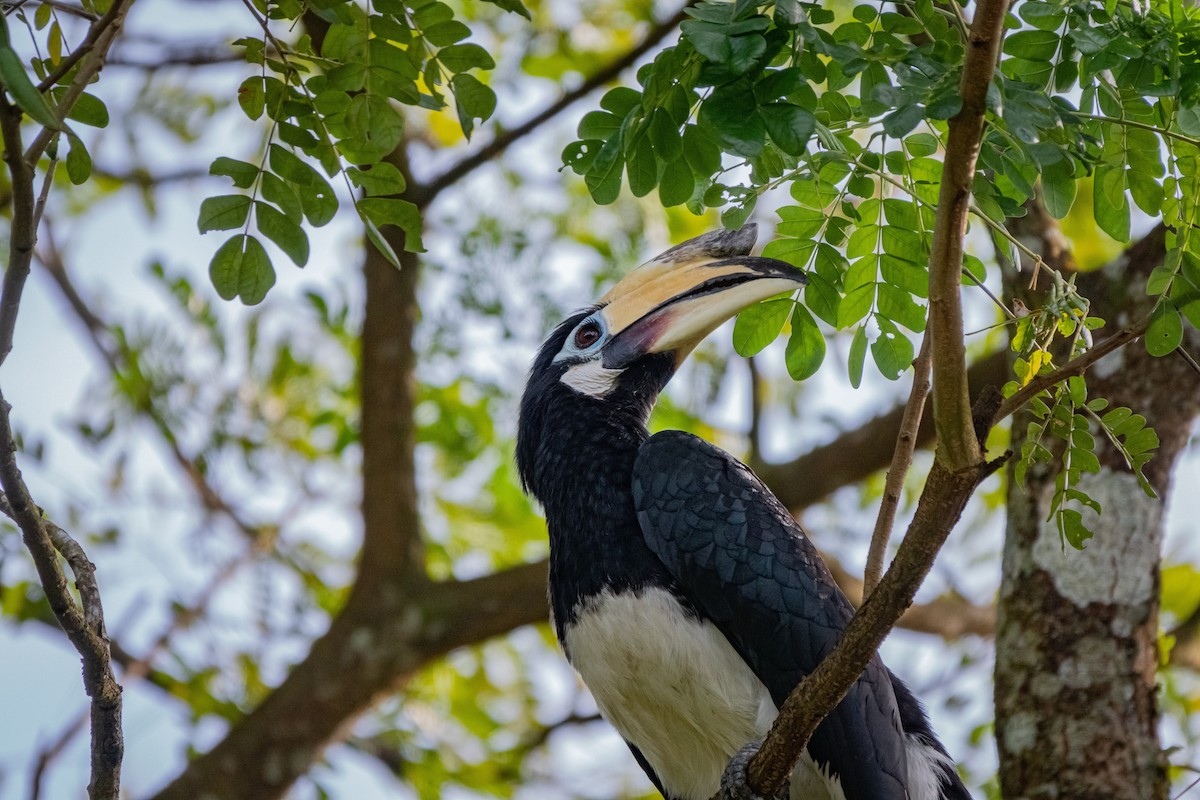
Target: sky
x,y
51,376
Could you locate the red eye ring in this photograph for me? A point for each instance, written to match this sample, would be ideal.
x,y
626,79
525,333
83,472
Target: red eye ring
x,y
587,335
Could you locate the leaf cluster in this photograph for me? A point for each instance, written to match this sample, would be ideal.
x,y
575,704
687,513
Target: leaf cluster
x,y
336,111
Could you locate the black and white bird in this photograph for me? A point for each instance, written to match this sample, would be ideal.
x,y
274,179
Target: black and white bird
x,y
683,592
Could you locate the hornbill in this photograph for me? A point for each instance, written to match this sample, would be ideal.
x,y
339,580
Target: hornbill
x,y
684,593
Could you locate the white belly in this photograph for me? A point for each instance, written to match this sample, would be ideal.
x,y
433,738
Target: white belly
x,y
675,688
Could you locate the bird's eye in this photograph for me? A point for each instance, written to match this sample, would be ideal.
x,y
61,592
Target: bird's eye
x,y
587,335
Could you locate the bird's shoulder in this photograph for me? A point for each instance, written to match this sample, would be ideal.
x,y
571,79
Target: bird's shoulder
x,y
730,542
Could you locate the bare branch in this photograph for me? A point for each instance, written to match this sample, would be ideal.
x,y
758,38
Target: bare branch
x,y
84,627
423,195
906,443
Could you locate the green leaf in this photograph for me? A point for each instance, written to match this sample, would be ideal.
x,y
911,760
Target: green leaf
x,y
88,110
242,268
447,33
603,179
316,195
1071,527
758,325
400,213
677,183
664,135
1058,188
375,128
621,100
822,298
855,305
892,351
242,173
377,179
462,57
514,6
1111,208
642,168
252,96
473,100
16,82
806,346
79,162
858,355
284,232
789,126
599,125
701,151
375,237
731,114
223,213
1165,332
898,306
275,190
718,43
903,120
1035,45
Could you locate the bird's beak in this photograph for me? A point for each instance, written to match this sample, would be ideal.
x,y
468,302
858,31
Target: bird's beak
x,y
671,303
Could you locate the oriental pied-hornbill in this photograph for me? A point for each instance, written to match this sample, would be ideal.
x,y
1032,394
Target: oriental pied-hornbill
x,y
684,593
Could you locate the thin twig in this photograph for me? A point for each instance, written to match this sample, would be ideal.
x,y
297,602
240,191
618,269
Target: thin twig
x,y
111,19
100,37
1187,359
423,194
23,233
52,751
1076,366
902,458
51,258
756,410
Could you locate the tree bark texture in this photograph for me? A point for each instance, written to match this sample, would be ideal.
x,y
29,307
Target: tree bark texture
x,y
1077,632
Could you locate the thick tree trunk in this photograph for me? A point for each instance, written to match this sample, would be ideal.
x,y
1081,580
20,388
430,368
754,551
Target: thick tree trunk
x,y
1076,645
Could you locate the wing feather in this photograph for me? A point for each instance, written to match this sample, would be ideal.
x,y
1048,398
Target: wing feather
x,y
741,558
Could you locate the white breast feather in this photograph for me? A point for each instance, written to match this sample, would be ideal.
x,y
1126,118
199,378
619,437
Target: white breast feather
x,y
674,687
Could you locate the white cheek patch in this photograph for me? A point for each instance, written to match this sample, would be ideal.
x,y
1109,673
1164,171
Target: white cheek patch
x,y
591,378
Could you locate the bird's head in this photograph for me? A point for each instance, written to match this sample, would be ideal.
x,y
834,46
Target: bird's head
x,y
610,361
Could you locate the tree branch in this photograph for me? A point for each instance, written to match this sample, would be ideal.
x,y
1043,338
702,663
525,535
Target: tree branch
x,y
98,39
958,467
23,232
951,401
83,626
1076,366
424,194
942,502
906,443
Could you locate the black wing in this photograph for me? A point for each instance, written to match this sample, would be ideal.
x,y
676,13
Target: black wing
x,y
739,556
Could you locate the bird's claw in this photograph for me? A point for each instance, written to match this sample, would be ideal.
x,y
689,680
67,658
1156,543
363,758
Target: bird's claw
x,y
735,780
